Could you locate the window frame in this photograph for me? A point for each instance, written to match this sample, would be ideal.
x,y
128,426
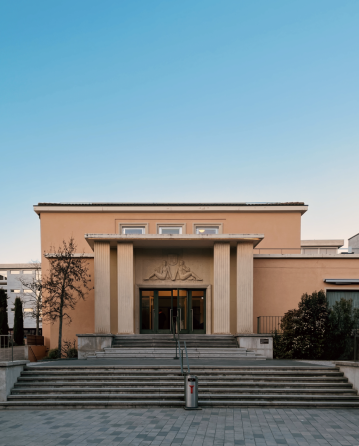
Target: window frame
x,y
208,225
181,226
122,226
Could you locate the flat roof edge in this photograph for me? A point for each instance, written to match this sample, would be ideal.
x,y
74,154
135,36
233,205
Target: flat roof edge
x,y
174,207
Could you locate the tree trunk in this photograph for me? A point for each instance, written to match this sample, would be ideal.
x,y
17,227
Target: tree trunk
x,y
60,329
37,322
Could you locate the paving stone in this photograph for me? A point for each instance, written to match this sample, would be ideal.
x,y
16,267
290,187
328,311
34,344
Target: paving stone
x,y
158,427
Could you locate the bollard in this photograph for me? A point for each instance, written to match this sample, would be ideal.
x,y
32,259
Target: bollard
x,y
191,392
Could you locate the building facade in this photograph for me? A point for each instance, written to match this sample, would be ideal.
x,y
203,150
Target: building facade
x,y
217,267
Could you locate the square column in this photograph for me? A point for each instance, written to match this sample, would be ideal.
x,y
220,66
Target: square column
x,y
221,289
245,287
125,288
102,287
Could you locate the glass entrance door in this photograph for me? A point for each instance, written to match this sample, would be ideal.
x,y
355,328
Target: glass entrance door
x,y
158,308
181,298
198,311
164,311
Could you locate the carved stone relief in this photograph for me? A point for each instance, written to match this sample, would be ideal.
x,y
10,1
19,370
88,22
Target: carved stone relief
x,y
165,272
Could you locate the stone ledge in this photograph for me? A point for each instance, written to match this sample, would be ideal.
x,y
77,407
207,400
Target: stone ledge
x,y
13,363
252,335
88,335
347,363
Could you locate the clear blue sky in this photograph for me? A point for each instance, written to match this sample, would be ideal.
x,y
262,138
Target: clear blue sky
x,y
185,100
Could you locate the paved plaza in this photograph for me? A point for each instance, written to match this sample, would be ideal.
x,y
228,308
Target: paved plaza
x,y
177,426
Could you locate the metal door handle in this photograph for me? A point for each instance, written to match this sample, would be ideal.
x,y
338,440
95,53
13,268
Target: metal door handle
x,y
170,319
192,318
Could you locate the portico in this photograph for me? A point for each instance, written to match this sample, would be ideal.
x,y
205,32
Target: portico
x,y
127,267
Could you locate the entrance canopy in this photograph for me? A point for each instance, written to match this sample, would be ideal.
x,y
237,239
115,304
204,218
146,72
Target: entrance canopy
x,y
173,240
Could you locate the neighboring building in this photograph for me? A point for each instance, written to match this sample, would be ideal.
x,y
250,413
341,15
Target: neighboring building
x,y
9,280
314,247
353,244
217,266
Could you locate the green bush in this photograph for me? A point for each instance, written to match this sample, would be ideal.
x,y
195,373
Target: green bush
x,y
72,353
343,319
53,354
18,323
314,331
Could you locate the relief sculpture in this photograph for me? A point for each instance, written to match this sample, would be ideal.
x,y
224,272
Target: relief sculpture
x,y
163,272
183,272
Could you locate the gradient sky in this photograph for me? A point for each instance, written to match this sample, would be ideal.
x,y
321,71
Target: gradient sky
x,y
185,100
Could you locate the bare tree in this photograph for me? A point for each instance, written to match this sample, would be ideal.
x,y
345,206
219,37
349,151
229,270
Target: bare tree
x,y
66,282
32,295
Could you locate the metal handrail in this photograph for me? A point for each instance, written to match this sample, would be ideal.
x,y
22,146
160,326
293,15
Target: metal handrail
x,y
180,356
174,334
185,347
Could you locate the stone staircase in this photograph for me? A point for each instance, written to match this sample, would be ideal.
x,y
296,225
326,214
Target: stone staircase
x,y
65,387
163,346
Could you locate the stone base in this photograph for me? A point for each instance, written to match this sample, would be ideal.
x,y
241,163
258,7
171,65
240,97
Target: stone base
x,y
88,344
351,371
261,344
9,373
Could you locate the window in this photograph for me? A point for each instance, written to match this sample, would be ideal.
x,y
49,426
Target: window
x,y
27,291
206,230
133,230
15,291
27,272
130,230
132,227
14,272
170,230
335,296
28,310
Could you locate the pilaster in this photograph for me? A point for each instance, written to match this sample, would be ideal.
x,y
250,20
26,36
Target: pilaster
x,y
125,288
102,287
221,289
245,287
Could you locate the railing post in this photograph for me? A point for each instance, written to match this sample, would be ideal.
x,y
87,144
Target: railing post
x,y
258,324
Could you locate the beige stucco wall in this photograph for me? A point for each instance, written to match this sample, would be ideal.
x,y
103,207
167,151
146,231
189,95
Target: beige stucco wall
x,y
280,283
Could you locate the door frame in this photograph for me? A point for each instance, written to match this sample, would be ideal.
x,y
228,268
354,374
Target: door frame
x,y
189,314
159,286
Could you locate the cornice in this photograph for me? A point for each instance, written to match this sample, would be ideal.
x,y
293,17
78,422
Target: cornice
x,y
176,209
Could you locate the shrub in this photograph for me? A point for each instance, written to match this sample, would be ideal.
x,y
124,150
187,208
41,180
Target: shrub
x,y
18,323
69,349
72,353
53,354
343,319
314,331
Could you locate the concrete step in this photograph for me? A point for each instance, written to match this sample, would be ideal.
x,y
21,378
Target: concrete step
x,y
156,386
157,354
180,397
173,349
174,384
254,373
178,390
95,404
